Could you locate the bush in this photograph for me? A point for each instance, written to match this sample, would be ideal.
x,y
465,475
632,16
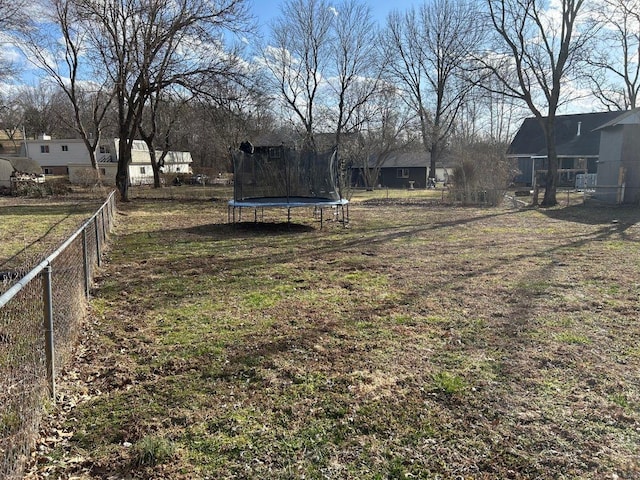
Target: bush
x,y
482,173
40,190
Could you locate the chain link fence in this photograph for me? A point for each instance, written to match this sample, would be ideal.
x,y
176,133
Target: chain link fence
x,y
39,318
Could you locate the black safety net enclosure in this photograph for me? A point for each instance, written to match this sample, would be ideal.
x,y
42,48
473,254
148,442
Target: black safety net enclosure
x,y
283,175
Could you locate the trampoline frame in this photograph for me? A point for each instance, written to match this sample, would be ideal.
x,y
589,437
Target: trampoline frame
x,y
341,206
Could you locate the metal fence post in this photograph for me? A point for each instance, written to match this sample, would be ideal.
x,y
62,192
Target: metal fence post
x,y
48,329
104,224
97,232
110,212
85,263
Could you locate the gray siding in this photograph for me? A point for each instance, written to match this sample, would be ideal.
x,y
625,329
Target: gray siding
x,y
389,177
630,153
619,147
609,164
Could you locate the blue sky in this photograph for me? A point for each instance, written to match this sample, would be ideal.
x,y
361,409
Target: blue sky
x,y
265,10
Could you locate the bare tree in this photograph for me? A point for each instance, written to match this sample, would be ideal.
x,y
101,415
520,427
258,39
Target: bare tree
x,y
214,126
615,77
426,50
38,106
161,115
536,53
87,92
488,114
14,17
354,77
383,130
147,46
298,57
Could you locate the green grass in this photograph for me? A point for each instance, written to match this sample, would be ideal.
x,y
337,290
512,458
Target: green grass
x,y
151,451
449,384
424,341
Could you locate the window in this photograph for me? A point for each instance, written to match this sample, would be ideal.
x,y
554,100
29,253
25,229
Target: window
x,y
402,173
566,163
65,148
47,171
143,170
104,149
44,148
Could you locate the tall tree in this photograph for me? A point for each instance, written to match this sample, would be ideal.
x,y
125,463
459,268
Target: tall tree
x,y
11,122
383,125
14,16
297,58
615,77
538,49
427,48
354,76
156,128
148,45
61,59
38,106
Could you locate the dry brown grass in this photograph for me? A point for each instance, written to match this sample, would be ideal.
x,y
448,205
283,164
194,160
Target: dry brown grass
x,y
424,341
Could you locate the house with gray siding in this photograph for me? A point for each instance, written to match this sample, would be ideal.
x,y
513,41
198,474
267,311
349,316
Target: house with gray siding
x,y
402,170
577,146
605,144
619,159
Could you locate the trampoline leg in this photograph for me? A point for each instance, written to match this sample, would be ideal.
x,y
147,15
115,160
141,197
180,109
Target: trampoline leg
x,y
321,220
288,215
255,215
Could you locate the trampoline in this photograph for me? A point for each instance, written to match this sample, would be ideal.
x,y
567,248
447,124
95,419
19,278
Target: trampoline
x,y
281,177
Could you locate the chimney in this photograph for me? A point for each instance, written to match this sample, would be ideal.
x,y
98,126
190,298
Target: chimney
x,y
579,128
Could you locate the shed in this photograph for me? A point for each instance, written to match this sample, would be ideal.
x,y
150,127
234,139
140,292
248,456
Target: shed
x,y
25,165
6,169
9,165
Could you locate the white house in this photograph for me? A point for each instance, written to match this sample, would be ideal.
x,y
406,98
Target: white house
x,y
71,157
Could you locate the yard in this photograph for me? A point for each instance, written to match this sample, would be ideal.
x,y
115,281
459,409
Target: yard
x,y
31,228
424,341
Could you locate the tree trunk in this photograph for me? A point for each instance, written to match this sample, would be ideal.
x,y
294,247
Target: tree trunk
x,y
432,160
155,165
122,176
157,181
551,183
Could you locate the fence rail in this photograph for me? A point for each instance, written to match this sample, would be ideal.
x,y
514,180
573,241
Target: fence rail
x,y
39,316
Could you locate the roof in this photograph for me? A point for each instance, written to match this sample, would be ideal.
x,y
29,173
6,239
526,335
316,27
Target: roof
x,y
52,140
576,135
404,160
24,164
630,117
